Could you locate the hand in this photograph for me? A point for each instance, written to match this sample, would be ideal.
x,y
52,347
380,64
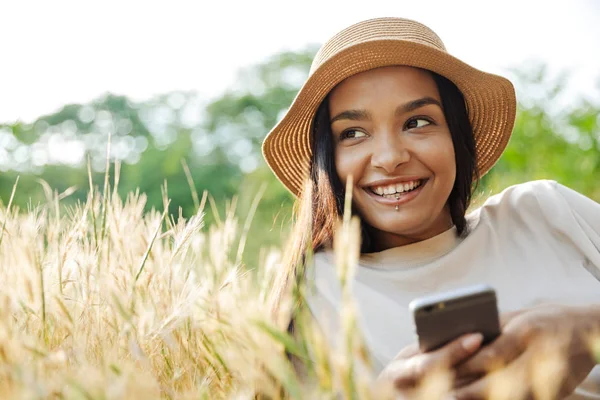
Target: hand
x,y
411,366
543,352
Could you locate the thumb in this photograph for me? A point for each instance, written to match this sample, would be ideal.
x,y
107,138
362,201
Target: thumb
x,y
458,350
406,371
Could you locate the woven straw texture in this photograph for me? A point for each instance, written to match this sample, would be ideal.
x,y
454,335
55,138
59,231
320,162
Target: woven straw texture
x,y
490,99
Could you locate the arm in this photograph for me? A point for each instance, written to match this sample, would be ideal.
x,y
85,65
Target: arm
x,y
545,351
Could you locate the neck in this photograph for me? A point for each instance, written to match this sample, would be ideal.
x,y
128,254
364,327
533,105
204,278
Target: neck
x,y
381,240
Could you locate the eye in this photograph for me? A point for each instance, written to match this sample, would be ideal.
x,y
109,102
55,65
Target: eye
x,y
352,134
417,122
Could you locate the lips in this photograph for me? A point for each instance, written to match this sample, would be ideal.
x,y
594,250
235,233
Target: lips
x,y
397,198
396,188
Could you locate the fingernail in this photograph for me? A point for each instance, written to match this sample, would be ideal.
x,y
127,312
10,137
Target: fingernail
x,y
472,342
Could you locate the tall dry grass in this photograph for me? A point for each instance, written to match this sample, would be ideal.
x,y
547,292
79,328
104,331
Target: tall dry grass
x,y
104,301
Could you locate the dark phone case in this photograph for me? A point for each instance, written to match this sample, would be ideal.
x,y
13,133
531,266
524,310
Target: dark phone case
x,y
437,325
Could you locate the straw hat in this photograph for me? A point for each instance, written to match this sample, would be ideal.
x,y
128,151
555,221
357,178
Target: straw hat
x,y
490,99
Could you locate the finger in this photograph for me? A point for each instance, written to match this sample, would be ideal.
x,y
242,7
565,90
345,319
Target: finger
x,y
510,382
407,352
402,373
448,355
464,381
502,351
458,350
505,317
408,372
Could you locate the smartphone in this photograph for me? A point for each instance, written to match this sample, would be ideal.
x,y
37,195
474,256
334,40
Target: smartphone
x,y
442,317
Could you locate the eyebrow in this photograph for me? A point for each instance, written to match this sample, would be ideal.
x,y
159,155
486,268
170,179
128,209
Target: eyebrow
x,y
363,115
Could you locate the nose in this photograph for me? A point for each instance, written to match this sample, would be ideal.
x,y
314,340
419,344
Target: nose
x,y
389,152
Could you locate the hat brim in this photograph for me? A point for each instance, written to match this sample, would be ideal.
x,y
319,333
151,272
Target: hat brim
x,y
490,101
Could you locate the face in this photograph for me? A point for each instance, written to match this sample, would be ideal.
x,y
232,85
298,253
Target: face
x,y
391,137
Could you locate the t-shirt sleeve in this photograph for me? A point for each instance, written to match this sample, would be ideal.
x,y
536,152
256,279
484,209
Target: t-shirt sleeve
x,y
580,219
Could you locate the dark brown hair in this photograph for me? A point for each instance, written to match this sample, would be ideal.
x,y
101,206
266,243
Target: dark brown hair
x,y
321,204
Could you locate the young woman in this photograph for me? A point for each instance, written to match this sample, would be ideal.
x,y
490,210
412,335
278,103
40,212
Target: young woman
x,y
415,128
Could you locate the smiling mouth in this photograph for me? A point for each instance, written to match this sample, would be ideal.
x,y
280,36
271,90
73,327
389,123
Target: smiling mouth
x,y
393,191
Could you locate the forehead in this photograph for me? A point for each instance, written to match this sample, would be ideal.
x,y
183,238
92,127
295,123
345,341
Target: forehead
x,y
397,83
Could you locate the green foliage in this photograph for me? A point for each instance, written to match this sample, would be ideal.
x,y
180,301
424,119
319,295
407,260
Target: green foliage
x,y
220,141
150,139
549,143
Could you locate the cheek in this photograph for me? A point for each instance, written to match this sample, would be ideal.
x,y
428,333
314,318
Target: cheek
x,y
347,163
450,159
440,157
447,161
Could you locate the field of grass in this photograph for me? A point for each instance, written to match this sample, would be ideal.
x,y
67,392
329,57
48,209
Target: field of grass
x,y
104,301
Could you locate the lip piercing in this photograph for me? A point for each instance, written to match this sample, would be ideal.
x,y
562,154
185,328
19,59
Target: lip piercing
x,y
397,198
396,207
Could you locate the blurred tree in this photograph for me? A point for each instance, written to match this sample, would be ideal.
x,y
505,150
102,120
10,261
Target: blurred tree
x,y
221,140
550,140
239,121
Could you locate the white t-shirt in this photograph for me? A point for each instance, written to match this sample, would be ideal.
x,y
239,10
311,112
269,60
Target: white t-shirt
x,y
537,242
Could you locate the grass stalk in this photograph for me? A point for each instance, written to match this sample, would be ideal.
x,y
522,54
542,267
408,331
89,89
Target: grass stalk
x,y
248,223
149,248
105,196
191,184
10,200
92,202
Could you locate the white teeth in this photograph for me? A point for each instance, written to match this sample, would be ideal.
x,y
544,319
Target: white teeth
x,y
396,188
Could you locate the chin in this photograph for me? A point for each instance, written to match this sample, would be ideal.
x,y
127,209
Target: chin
x,y
400,226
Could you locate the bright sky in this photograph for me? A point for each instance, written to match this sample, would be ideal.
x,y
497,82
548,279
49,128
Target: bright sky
x,y
64,51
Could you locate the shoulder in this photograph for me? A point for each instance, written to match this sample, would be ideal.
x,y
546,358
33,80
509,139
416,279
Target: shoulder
x,y
524,193
321,265
536,201
524,197
323,293
322,257
321,272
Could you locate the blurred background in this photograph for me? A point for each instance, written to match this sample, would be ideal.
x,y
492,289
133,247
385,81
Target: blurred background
x,y
201,83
